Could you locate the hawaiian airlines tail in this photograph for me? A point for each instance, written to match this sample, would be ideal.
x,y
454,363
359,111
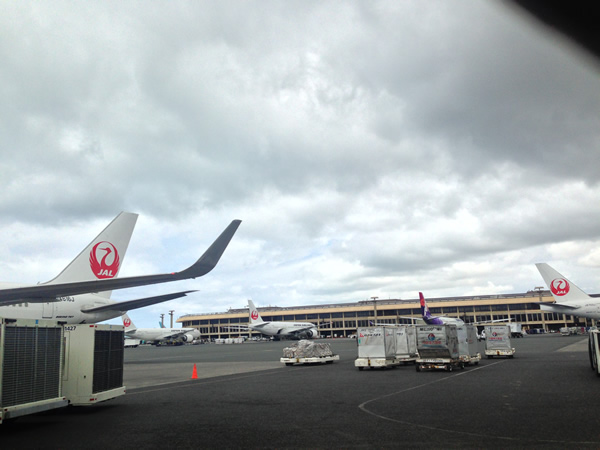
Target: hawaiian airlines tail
x,y
103,257
254,315
425,313
563,290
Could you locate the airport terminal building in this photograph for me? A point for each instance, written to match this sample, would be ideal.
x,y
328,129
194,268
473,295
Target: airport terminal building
x,y
342,319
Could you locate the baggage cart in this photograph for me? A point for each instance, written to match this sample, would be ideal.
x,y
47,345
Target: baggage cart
x,y
376,347
497,341
406,344
467,344
310,360
438,348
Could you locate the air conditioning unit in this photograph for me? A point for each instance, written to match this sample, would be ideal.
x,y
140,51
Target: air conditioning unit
x,y
31,367
93,363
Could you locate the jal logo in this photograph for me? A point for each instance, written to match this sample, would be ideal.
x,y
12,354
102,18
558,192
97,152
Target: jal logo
x,y
494,334
431,336
560,287
254,315
126,322
104,260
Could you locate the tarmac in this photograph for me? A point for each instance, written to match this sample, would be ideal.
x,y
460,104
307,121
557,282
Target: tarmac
x,y
244,397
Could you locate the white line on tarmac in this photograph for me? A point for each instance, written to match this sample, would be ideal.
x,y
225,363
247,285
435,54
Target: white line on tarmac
x,y
363,407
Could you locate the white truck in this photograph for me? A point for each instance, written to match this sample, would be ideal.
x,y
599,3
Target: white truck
x,y
376,347
467,344
516,329
438,348
497,341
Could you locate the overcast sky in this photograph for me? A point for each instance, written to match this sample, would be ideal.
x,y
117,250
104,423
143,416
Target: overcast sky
x,y
370,148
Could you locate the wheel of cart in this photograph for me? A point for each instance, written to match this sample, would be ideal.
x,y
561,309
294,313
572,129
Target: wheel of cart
x,y
289,364
449,367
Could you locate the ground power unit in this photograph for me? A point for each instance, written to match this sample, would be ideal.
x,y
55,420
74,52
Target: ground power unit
x,y
93,363
31,367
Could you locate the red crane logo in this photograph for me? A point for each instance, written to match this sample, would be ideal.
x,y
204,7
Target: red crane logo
x,y
560,287
108,266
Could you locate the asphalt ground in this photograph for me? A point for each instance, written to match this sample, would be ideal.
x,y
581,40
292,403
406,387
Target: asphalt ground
x,y
545,397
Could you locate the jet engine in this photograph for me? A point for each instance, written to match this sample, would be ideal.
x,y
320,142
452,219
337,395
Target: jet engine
x,y
312,333
189,337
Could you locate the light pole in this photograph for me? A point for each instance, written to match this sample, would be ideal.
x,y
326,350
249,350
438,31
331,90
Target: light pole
x,y
171,314
374,310
162,320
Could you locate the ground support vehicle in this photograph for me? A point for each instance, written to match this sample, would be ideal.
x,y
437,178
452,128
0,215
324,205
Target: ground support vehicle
x,y
467,344
94,359
308,352
132,342
497,341
438,348
516,329
376,347
31,363
311,360
594,350
377,363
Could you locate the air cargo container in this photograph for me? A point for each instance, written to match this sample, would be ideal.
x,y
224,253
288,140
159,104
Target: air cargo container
x,y
406,343
438,347
467,344
93,363
31,366
376,347
497,341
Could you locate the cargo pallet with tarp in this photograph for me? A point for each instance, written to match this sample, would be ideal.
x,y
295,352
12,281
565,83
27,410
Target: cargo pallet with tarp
x,y
376,347
307,352
467,344
497,341
438,348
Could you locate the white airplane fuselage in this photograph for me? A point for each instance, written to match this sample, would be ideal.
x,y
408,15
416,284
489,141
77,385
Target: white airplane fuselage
x,y
159,334
66,309
285,329
586,308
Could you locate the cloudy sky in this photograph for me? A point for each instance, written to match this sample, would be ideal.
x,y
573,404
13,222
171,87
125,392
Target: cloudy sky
x,y
370,148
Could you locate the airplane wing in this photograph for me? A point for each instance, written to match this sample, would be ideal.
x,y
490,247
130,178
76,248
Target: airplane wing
x,y
49,292
135,304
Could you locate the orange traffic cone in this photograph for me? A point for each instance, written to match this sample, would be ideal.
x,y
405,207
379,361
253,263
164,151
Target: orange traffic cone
x,y
195,373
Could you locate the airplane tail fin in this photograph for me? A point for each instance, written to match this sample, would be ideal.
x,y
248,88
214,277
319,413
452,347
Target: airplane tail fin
x,y
562,289
128,324
424,309
103,257
254,314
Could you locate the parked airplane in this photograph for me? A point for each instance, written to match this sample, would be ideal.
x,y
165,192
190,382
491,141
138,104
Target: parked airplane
x,y
81,292
158,335
301,330
569,298
443,320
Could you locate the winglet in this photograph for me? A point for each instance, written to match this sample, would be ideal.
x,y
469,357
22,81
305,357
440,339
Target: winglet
x,y
211,256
